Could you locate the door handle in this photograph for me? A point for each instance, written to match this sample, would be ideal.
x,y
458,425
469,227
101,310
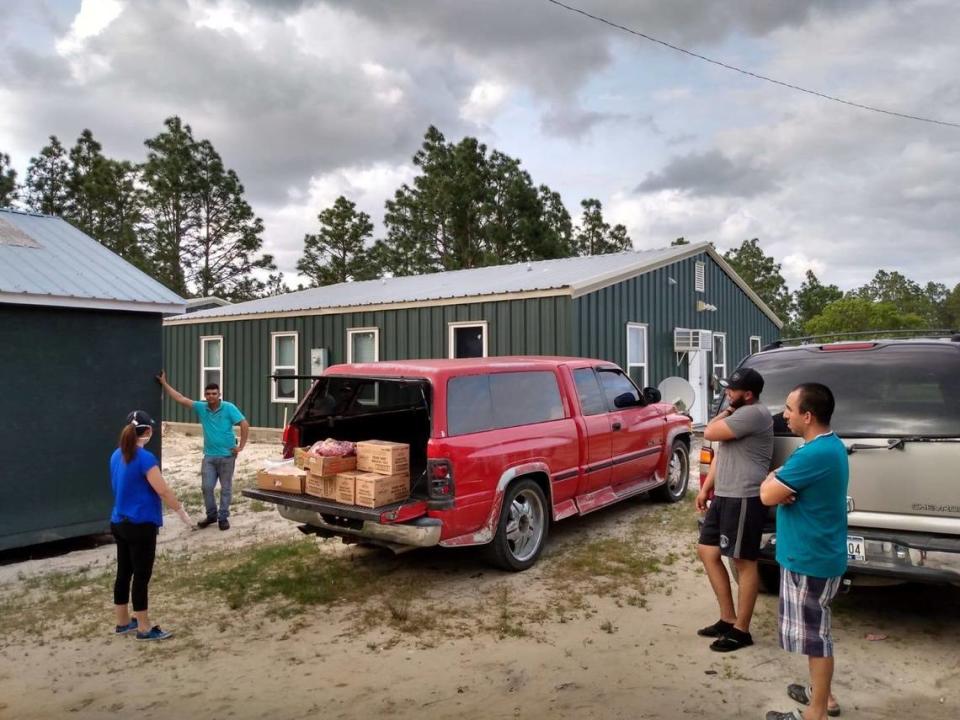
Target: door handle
x,y
617,426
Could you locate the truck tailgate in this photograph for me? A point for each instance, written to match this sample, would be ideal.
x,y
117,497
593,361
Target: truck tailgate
x,y
403,511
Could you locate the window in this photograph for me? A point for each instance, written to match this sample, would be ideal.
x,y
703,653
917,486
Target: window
x,y
363,346
615,384
892,391
211,362
592,399
719,360
486,402
467,339
699,279
637,353
755,343
284,362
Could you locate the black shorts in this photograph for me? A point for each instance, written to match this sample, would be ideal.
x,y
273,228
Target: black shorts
x,y
735,525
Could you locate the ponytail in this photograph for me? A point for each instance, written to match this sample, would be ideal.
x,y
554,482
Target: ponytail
x,y
128,442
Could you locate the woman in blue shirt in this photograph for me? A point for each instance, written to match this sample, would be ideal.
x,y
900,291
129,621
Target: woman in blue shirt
x,y
139,491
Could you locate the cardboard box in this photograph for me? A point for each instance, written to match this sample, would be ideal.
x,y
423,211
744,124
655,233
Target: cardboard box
x,y
381,456
300,457
375,490
318,465
286,479
321,486
346,487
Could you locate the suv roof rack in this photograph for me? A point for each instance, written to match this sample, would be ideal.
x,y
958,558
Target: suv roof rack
x,y
932,334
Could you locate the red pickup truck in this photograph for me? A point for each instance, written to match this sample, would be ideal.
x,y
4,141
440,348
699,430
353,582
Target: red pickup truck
x,y
499,448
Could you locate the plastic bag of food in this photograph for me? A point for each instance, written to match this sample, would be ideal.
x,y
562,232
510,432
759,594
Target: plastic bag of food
x,y
333,448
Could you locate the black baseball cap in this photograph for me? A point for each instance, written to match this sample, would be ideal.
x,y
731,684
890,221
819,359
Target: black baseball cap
x,y
140,419
744,379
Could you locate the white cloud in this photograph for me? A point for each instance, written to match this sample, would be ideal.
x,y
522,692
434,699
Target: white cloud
x,y
485,99
92,19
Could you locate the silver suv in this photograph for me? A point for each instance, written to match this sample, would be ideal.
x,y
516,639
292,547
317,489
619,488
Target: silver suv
x,y
898,412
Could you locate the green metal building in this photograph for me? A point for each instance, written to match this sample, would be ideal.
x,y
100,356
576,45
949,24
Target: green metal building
x,y
657,313
80,334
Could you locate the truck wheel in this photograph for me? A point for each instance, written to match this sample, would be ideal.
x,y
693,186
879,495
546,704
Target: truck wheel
x,y
522,529
678,474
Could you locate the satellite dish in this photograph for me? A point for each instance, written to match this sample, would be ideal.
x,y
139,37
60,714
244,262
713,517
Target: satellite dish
x,y
678,392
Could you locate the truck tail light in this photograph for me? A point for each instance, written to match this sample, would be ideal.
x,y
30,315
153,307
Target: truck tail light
x,y
291,440
706,457
440,479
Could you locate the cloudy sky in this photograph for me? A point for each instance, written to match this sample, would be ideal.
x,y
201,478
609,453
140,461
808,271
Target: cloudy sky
x,y
309,99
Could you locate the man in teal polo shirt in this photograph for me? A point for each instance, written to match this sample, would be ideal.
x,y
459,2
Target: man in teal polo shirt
x,y
220,448
810,491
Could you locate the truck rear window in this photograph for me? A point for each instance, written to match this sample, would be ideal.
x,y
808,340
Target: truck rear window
x,y
348,396
891,391
486,402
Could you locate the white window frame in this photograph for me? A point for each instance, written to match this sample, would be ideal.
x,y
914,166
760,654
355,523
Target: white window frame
x,y
759,344
451,335
646,352
699,276
275,384
204,339
375,331
714,364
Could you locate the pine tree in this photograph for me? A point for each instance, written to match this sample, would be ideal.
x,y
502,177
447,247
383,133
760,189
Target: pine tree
x,y
219,256
8,182
594,236
47,176
337,252
762,274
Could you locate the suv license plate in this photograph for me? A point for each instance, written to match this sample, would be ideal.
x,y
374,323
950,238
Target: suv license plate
x,y
855,548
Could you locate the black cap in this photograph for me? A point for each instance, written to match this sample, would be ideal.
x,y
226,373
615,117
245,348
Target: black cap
x,y
744,379
140,419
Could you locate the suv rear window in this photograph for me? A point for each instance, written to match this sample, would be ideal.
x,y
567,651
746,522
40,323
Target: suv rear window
x,y
485,402
889,391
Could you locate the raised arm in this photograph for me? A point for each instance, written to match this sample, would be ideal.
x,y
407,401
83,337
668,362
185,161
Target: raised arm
x,y
169,389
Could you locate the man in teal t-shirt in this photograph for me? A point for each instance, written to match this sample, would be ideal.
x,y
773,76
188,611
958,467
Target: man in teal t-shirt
x,y
810,490
220,448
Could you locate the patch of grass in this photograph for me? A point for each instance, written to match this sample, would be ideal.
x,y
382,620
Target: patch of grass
x,y
294,572
259,506
608,627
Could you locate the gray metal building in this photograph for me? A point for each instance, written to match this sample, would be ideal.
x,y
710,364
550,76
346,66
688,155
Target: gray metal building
x,y
80,337
674,311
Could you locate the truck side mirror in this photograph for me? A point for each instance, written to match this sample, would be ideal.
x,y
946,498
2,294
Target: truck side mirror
x,y
651,395
625,400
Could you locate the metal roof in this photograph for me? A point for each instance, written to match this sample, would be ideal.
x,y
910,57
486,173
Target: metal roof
x,y
567,276
44,260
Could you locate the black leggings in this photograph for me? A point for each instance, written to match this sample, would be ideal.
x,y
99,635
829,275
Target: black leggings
x,y
136,549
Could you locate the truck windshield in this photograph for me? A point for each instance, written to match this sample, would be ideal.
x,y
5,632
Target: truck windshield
x,y
891,391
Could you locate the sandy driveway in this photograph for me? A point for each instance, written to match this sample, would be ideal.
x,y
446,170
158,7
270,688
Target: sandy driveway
x,y
440,634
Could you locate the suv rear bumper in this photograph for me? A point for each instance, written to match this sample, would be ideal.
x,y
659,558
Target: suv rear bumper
x,y
896,556
421,532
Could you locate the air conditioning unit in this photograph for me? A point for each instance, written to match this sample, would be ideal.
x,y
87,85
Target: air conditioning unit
x,y
685,340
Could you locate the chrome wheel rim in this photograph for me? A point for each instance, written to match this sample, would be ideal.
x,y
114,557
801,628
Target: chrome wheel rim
x,y
525,524
676,480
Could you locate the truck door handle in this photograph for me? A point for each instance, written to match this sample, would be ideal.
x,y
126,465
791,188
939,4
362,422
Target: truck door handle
x,y
617,426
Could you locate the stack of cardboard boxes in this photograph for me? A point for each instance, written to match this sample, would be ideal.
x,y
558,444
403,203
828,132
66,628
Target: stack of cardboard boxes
x,y
379,474
381,477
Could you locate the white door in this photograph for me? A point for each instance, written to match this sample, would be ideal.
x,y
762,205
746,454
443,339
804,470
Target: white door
x,y
698,363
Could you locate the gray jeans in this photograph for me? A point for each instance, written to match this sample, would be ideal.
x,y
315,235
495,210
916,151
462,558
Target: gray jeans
x,y
212,470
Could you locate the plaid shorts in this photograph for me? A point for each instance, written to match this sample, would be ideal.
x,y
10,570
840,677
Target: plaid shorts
x,y
805,613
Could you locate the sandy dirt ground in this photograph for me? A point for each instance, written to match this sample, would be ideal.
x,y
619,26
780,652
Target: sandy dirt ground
x,y
440,634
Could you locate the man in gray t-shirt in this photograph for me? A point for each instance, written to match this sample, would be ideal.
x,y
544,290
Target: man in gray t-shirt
x,y
733,524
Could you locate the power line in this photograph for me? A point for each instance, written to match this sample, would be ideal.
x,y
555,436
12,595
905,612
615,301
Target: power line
x,y
758,76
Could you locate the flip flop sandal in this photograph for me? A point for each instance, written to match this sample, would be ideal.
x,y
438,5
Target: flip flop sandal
x,y
733,640
803,693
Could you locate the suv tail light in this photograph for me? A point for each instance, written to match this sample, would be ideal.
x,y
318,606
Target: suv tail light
x,y
440,479
291,440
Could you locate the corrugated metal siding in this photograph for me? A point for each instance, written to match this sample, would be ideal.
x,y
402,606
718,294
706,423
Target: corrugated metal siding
x,y
516,327
599,319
